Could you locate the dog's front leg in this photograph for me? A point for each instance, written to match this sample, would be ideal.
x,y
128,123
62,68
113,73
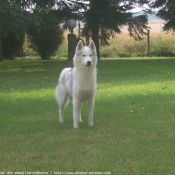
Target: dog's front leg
x,y
61,115
91,103
76,112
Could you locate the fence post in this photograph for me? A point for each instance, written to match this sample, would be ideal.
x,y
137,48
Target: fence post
x,y
148,42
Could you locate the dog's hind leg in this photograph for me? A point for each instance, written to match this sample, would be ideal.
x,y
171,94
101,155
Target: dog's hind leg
x,y
79,118
61,115
63,101
62,105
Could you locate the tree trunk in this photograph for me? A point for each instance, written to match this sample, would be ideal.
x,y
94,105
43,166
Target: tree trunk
x,y
1,59
95,38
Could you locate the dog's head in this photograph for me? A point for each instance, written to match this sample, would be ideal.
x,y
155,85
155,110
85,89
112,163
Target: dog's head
x,y
85,55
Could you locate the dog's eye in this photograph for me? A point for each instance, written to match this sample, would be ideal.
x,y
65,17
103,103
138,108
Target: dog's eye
x,y
83,55
90,55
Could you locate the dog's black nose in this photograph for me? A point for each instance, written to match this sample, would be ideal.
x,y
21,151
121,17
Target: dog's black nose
x,y
88,63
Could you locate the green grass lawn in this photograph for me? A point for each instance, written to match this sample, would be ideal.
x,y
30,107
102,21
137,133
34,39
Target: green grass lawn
x,y
134,119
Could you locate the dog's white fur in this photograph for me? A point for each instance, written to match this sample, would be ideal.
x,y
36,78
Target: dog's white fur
x,y
79,83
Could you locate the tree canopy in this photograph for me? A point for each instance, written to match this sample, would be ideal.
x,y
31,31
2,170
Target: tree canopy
x,y
17,15
46,36
104,18
12,19
166,12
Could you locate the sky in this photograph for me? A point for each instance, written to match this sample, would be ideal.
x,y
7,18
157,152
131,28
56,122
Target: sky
x,y
139,9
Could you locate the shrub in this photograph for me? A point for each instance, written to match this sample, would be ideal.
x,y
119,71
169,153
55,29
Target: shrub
x,y
46,37
12,46
163,45
45,42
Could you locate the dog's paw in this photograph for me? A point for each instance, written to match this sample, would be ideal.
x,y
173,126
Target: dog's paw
x,y
61,120
76,126
91,124
80,120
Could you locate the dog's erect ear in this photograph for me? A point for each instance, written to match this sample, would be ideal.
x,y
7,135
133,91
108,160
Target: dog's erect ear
x,y
92,45
79,46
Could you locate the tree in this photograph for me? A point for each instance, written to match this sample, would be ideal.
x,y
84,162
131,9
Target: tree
x,y
15,15
46,36
12,46
13,19
166,12
104,18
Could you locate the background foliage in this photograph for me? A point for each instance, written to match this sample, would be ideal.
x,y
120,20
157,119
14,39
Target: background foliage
x,y
45,37
161,44
12,46
102,20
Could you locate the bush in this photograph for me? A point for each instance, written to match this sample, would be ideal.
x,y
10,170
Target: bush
x,y
46,42
12,46
163,45
45,38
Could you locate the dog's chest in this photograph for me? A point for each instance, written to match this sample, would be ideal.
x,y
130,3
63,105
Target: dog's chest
x,y
84,82
84,85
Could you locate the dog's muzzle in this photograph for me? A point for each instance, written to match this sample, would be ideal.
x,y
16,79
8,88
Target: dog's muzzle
x,y
88,63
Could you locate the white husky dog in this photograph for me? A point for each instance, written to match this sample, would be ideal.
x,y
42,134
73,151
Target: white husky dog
x,y
79,83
